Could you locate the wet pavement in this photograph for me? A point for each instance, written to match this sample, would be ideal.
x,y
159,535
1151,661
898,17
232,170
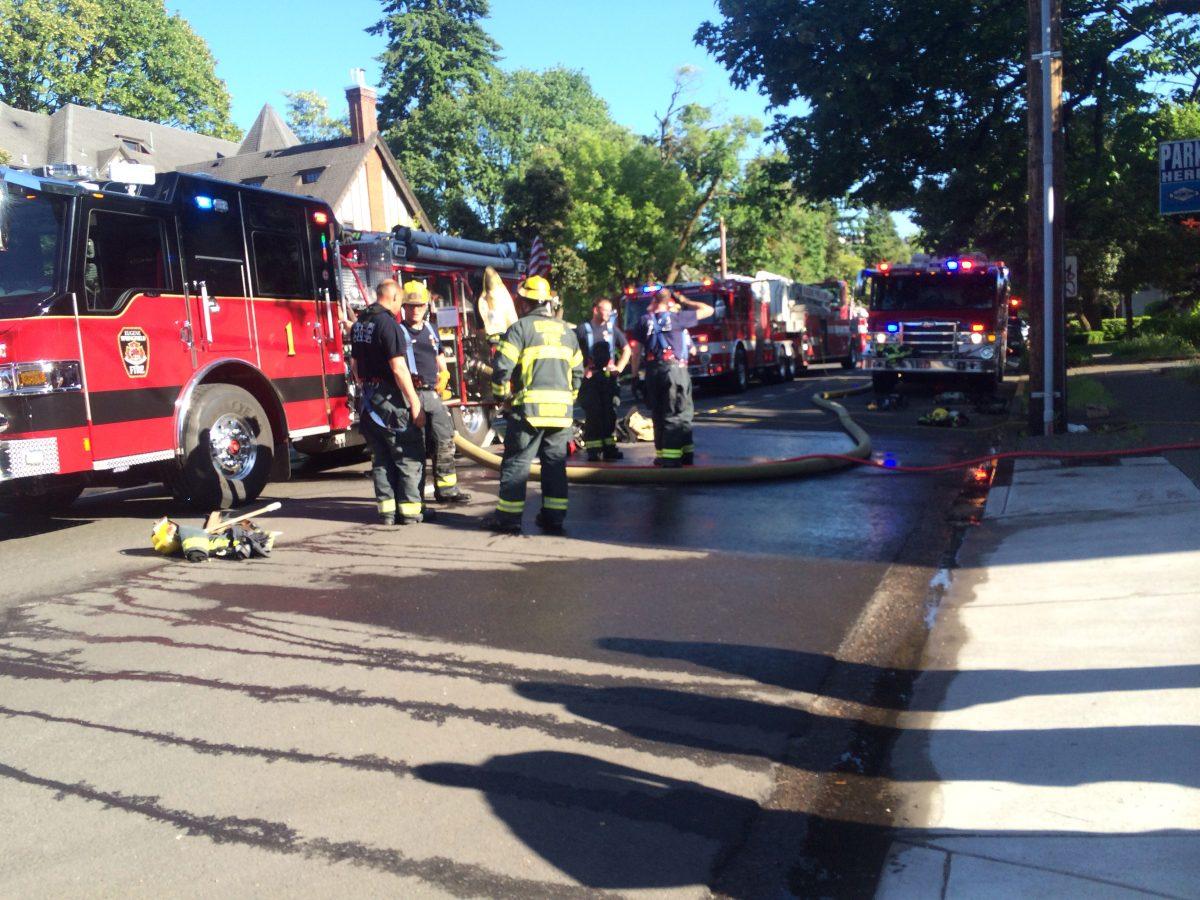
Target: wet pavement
x,y
440,711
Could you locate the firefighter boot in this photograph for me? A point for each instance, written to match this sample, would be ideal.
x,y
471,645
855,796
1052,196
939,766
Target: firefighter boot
x,y
548,525
501,524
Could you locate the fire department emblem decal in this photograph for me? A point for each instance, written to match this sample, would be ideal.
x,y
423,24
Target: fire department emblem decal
x,y
135,351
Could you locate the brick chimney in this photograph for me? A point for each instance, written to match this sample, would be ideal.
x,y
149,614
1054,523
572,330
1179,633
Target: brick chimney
x,y
363,119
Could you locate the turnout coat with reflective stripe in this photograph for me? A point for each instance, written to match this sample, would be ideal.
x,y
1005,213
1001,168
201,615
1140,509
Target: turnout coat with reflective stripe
x,y
540,367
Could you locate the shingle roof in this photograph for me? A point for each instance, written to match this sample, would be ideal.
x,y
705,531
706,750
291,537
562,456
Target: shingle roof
x,y
77,134
269,132
337,162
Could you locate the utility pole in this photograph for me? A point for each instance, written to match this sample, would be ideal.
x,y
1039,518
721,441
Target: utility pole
x,y
724,258
1047,363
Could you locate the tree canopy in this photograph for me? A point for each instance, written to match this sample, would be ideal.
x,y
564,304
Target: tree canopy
x,y
132,58
308,116
921,105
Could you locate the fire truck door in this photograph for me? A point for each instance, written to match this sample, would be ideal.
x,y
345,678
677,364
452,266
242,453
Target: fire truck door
x,y
327,330
215,278
133,327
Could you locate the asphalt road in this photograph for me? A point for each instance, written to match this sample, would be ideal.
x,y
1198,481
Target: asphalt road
x,y
435,710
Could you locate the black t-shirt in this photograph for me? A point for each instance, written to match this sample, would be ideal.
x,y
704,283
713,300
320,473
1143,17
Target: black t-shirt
x,y
426,349
658,331
376,339
600,344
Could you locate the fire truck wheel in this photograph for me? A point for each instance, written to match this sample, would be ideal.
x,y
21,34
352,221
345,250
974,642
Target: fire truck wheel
x,y
473,423
43,500
228,447
851,361
740,376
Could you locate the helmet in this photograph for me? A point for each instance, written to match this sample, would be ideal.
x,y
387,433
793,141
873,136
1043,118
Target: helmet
x,y
537,289
415,294
164,537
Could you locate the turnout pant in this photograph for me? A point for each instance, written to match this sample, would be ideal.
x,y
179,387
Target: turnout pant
x,y
439,445
669,390
397,465
522,443
598,395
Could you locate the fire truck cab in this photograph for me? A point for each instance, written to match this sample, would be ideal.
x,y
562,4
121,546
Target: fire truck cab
x,y
936,317
817,322
178,329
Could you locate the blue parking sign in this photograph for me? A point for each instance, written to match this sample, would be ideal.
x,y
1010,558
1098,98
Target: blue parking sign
x,y
1179,177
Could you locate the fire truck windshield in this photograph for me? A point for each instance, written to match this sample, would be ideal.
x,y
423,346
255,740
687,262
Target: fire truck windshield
x,y
635,308
945,291
31,228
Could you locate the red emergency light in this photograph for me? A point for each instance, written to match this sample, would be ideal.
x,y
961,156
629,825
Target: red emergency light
x,y
631,290
966,264
321,218
707,282
884,267
1014,302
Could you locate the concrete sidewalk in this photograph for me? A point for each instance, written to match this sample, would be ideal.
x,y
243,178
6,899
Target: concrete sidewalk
x,y
1052,745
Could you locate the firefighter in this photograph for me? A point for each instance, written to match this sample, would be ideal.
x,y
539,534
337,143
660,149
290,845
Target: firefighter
x,y
537,372
391,417
663,345
600,394
430,375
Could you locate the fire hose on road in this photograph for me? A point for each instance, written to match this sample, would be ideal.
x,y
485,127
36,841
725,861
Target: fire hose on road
x,y
795,467
808,464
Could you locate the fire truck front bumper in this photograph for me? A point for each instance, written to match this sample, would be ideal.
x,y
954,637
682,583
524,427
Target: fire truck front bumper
x,y
28,458
963,366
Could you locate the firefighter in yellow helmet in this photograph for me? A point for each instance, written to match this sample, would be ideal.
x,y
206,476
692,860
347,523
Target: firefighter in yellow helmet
x,y
430,376
537,372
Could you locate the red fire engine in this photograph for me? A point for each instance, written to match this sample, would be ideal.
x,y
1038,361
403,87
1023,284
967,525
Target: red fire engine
x,y
817,322
184,331
765,326
738,342
452,268
936,317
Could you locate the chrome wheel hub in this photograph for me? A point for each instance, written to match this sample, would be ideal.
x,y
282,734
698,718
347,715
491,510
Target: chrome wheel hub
x,y
231,445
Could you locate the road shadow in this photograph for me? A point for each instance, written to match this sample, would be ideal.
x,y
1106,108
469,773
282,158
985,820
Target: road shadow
x,y
799,670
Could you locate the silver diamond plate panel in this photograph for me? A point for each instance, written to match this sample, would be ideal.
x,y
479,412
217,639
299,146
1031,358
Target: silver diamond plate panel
x,y
24,459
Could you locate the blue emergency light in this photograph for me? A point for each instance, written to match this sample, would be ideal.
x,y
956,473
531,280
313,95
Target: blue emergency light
x,y
893,327
204,202
952,265
651,288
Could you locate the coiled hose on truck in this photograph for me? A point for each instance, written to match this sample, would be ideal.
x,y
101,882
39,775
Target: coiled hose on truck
x,y
796,467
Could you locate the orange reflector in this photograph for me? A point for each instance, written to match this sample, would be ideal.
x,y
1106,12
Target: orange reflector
x,y
87,445
31,378
978,327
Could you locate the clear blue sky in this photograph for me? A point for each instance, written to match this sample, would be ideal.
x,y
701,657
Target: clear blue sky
x,y
629,49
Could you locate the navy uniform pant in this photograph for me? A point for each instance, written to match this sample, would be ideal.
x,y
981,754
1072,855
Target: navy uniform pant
x,y
669,391
598,395
397,465
439,445
522,444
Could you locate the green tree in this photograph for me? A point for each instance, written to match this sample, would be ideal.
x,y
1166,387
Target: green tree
x,y
436,49
131,58
880,239
921,104
308,116
707,152
770,227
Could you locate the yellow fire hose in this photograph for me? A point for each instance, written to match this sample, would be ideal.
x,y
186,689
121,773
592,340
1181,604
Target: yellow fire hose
x,y
784,468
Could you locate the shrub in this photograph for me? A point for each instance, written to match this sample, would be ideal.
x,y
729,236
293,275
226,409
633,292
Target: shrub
x,y
1154,346
1114,329
1085,338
